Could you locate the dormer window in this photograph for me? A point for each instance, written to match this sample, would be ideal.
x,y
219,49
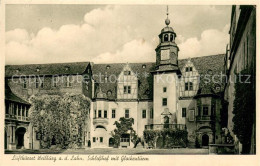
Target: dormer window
x,y
209,71
108,67
37,69
188,69
17,70
147,92
217,88
109,93
127,73
67,68
143,66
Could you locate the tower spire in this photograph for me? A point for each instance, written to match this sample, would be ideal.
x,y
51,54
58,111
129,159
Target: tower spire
x,y
167,21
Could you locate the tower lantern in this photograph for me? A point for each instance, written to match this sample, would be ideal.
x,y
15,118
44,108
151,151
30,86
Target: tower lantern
x,y
167,50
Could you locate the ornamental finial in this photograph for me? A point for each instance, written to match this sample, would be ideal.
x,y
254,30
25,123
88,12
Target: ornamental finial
x,y
167,21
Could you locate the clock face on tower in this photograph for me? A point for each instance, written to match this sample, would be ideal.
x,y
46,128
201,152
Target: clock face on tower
x,y
165,54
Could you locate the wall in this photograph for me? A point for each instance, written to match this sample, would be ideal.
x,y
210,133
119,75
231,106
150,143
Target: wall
x,y
135,109
167,80
239,64
16,86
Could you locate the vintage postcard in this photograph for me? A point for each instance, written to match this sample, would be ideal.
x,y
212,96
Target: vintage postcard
x,y
129,83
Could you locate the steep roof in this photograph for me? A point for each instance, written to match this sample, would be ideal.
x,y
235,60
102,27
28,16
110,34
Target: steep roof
x,y
142,71
208,65
46,69
213,63
9,95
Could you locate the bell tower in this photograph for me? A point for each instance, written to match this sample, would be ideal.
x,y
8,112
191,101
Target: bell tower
x,y
165,76
167,50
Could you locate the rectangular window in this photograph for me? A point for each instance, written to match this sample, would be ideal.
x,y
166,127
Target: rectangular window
x,y
54,81
95,113
37,82
164,89
101,139
188,69
68,81
99,113
188,86
151,114
164,101
191,86
24,83
105,113
113,113
94,139
191,115
144,114
87,84
127,113
127,89
199,110
205,110
183,112
41,83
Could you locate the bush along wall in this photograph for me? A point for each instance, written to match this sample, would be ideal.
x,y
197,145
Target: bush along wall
x,y
166,138
61,120
244,108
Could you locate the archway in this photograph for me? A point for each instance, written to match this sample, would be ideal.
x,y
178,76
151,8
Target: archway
x,y
205,140
111,142
19,134
100,137
5,140
166,122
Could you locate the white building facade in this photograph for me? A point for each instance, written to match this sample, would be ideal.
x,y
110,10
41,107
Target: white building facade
x,y
165,94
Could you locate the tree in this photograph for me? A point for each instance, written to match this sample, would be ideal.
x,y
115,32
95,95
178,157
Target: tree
x,y
60,118
244,108
124,126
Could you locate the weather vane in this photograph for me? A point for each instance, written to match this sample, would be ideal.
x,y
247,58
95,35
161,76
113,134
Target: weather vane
x,y
167,21
167,11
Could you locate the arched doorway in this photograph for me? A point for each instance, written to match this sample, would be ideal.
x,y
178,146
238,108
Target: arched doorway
x,y
111,142
19,134
166,122
5,140
205,140
100,137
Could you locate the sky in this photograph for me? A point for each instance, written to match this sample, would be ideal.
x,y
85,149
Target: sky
x,y
37,34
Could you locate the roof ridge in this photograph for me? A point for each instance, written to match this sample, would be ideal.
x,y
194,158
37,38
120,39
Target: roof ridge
x,y
203,56
61,63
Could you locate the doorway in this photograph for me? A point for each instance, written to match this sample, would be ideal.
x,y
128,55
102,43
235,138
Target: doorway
x,y
166,122
205,140
20,137
111,142
5,140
